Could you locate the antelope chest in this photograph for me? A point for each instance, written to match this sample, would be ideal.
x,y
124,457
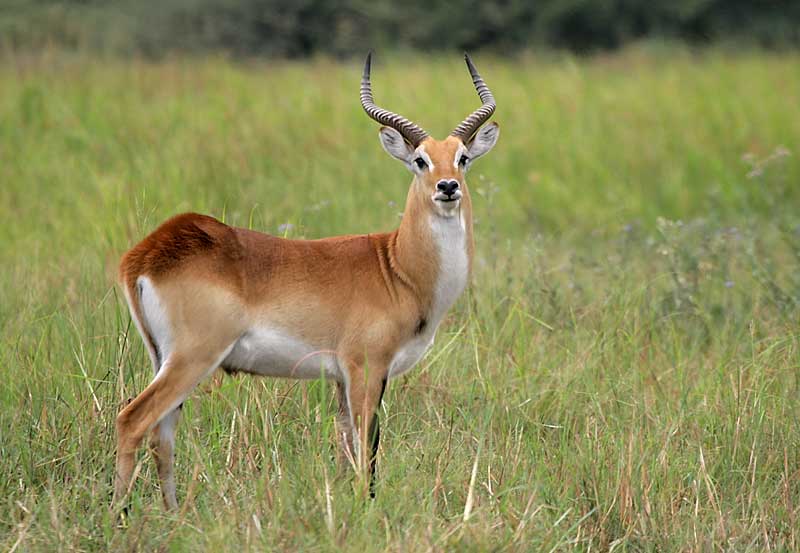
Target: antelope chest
x,y
449,236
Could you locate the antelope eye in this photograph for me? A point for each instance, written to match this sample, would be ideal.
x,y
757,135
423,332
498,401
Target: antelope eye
x,y
463,160
420,163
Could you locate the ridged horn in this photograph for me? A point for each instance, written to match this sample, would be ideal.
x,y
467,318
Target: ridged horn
x,y
478,117
412,132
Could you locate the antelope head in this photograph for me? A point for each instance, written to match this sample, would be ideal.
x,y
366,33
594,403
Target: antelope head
x,y
438,166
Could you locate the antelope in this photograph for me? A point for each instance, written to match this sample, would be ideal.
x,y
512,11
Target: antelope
x,y
357,309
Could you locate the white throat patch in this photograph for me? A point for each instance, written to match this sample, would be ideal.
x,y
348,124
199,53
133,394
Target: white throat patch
x,y
450,237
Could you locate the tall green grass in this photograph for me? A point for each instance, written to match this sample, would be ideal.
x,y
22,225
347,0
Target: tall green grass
x,y
623,374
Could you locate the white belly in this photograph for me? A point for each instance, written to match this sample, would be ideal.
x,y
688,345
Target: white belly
x,y
273,352
410,353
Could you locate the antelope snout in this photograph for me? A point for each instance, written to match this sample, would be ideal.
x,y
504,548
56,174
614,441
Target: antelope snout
x,y
447,187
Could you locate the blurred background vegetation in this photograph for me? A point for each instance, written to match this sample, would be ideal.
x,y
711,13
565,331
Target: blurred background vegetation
x,y
300,28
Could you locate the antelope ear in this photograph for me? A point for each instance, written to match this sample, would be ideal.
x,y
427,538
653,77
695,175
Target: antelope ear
x,y
484,140
396,146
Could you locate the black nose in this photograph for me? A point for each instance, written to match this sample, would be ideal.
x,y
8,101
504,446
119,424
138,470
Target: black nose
x,y
447,186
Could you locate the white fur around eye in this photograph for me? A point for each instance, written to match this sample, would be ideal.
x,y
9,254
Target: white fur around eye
x,y
461,151
420,152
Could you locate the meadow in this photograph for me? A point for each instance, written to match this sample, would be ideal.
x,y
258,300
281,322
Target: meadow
x,y
623,374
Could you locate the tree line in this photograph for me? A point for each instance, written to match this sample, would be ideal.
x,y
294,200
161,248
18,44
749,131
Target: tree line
x,y
299,28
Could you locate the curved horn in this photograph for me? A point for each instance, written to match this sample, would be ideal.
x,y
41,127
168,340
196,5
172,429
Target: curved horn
x,y
412,132
478,117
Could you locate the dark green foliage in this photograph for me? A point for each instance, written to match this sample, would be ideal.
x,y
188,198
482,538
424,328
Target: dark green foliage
x,y
298,28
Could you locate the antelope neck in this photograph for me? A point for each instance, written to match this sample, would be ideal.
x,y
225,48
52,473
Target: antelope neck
x,y
431,251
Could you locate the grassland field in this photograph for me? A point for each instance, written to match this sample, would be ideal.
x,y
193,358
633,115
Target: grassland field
x,y
624,373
